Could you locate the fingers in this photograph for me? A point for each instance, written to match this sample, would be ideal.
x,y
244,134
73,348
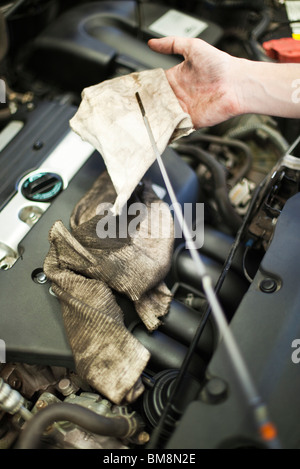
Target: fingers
x,y
170,45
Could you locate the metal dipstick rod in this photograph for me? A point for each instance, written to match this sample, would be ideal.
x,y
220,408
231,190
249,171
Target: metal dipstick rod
x,y
266,428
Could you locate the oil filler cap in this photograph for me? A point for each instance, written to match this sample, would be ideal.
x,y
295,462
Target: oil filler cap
x,y
42,187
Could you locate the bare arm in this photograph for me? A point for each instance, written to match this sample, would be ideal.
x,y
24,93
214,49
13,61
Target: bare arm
x,y
213,86
272,89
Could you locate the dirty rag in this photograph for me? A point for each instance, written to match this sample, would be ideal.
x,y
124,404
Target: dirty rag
x,y
109,118
86,271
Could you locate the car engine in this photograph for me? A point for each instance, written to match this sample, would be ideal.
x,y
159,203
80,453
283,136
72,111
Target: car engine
x,y
245,173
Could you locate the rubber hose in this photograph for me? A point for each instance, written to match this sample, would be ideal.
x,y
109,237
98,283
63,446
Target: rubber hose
x,y
245,131
256,49
3,37
229,215
31,435
230,143
263,25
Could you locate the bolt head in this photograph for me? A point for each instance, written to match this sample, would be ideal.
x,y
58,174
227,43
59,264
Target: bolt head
x,y
41,404
268,285
216,390
143,438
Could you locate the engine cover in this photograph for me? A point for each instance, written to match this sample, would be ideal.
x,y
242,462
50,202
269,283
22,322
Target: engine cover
x,y
98,39
30,316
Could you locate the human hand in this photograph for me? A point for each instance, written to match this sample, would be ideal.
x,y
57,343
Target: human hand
x,y
204,83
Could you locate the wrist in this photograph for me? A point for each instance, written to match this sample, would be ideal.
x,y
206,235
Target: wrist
x,y
239,85
254,85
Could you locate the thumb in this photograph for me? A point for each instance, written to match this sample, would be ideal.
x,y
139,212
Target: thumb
x,y
169,45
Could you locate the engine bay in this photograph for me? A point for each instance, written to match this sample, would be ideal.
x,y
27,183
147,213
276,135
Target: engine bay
x,y
244,173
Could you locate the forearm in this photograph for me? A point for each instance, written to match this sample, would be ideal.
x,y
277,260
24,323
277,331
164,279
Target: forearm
x,y
267,88
213,86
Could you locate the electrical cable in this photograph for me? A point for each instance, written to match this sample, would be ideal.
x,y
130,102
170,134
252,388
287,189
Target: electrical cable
x,y
287,22
250,280
204,319
265,427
